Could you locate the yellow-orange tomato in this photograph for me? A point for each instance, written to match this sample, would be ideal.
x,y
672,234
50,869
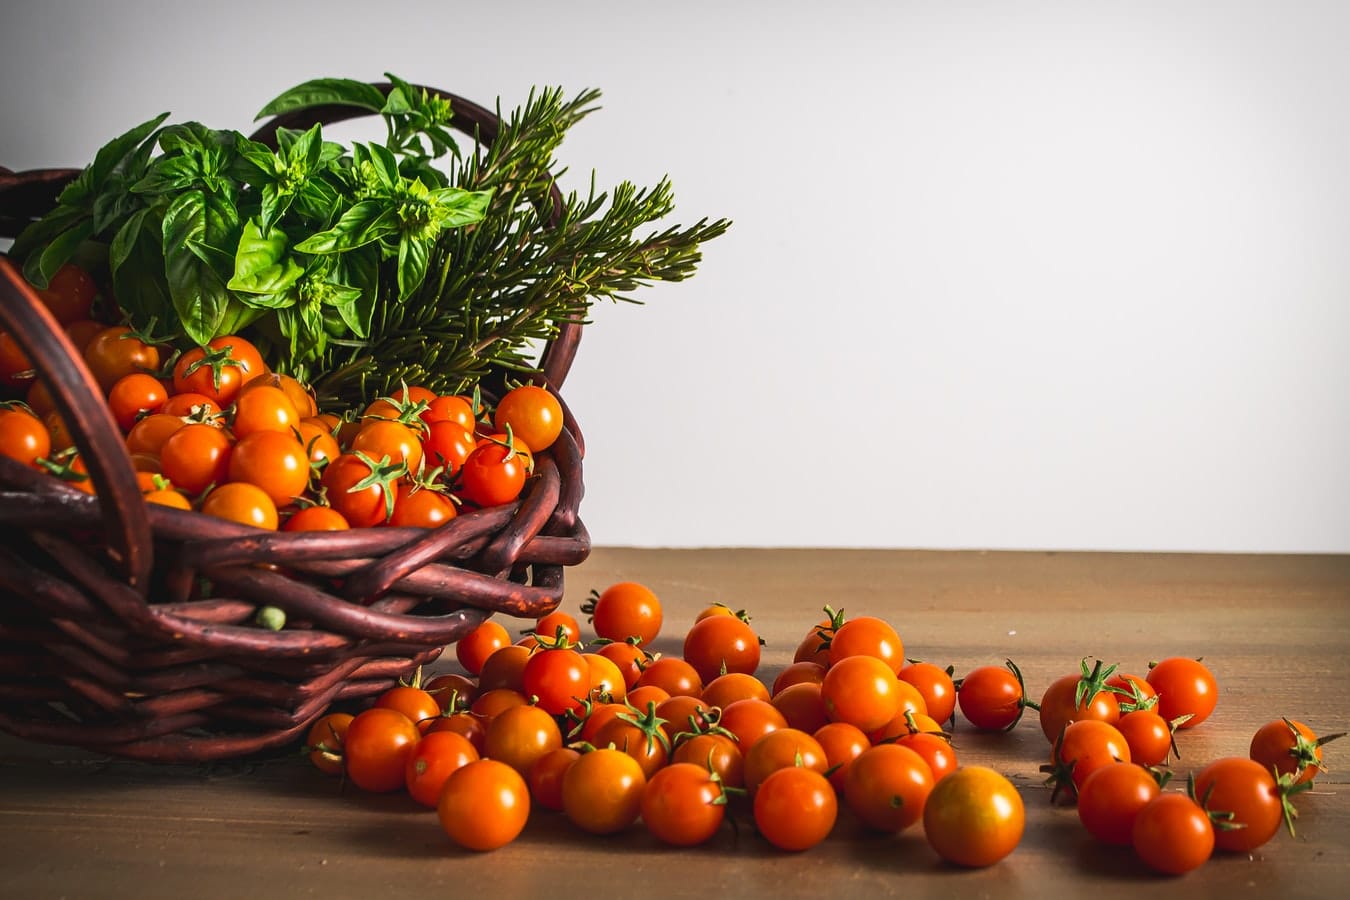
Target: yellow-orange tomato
x,y
974,817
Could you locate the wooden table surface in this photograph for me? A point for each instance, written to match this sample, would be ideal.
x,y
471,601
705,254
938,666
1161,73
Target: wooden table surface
x,y
1274,629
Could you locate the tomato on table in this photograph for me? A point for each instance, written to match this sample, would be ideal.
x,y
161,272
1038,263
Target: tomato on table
x,y
484,805
376,748
974,817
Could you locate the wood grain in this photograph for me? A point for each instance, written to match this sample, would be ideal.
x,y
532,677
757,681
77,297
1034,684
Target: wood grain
x,y
1275,629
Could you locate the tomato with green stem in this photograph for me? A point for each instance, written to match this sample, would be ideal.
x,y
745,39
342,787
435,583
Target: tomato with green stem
x,y
416,506
23,437
715,751
493,475
219,369
133,396
484,805
325,742
779,749
639,735
1081,748
1246,801
1288,747
993,698
362,489
625,610
684,804
196,456
719,644
1078,696
415,702
1149,736
116,351
532,413
868,636
556,677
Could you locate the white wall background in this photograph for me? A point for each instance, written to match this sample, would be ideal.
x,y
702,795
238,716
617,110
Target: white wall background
x,y
1003,275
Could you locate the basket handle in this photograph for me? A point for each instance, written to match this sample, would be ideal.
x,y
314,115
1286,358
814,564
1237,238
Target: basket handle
x,y
80,401
476,121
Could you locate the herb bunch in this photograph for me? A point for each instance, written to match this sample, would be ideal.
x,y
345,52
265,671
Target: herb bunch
x,y
359,267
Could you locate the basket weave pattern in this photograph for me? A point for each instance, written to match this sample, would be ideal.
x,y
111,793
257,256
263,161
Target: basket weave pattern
x,y
108,638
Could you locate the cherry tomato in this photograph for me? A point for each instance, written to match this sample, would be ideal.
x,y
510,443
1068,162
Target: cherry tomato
x,y
382,438
720,644
218,370
133,396
69,294
493,475
1289,748
843,743
1110,799
116,351
264,409
802,706
547,626
316,518
1148,735
861,690
1186,687
639,736
798,673
795,808
559,679
1247,795
416,507
749,720
1172,834
935,750
149,434
602,791
935,685
779,749
377,747
673,675
683,805
23,437
887,787
191,405
196,456
325,742
992,698
414,702
433,760
868,636
239,501
626,609
357,491
520,735
815,646
607,682
319,443
273,461
484,805
723,690
534,415
475,647
493,702
450,408
679,710
1083,747
974,817
546,777
1072,697
447,445
715,753
629,657
504,668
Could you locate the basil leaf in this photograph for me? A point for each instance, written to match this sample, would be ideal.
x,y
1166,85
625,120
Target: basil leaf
x,y
45,230
363,223
322,92
262,265
40,267
109,158
198,293
348,303
137,264
360,271
413,256
457,207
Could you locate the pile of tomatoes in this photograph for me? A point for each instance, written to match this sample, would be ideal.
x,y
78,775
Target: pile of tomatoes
x,y
610,735
213,429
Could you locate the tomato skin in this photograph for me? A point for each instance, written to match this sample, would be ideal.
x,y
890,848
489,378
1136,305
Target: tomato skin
x,y
484,805
362,507
974,817
69,294
380,438
114,352
376,749
991,698
797,673
449,408
534,414
721,643
1172,834
887,787
935,685
325,742
133,396
421,508
1110,799
264,408
504,668
750,720
273,461
843,743
447,445
1242,787
802,706
682,805
627,609
433,760
239,501
1085,746
195,457
862,690
474,648
673,675
715,753
23,437
606,681
934,749
795,808
316,518
868,636
1185,687
630,659
149,434
602,791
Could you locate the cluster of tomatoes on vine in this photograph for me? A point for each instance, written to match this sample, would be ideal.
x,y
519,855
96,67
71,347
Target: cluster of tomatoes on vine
x,y
1112,737
213,429
610,734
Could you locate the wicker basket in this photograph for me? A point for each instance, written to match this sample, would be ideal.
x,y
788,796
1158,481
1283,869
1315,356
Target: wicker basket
x,y
105,641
